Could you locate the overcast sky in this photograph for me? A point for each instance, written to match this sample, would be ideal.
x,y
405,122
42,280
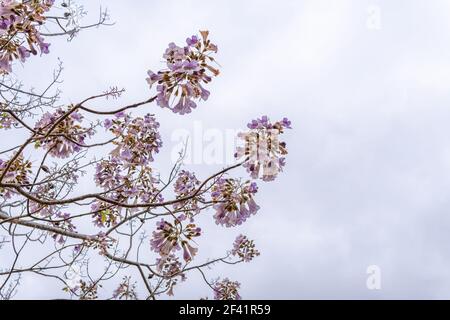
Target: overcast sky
x,y
365,84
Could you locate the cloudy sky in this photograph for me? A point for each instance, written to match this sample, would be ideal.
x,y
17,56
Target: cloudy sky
x,y
365,84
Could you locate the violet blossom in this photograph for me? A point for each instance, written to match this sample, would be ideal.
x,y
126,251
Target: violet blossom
x,y
18,173
19,24
226,290
186,185
67,138
244,248
171,269
263,151
234,201
168,237
188,68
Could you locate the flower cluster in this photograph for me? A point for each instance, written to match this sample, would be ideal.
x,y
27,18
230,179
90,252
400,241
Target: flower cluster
x,y
122,184
88,291
19,22
6,121
109,174
262,148
137,139
186,185
17,173
168,238
101,241
68,136
188,68
43,191
244,248
105,214
51,213
170,268
64,222
125,175
125,290
226,290
234,201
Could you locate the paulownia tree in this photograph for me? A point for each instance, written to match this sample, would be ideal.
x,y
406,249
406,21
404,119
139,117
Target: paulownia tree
x,y
42,201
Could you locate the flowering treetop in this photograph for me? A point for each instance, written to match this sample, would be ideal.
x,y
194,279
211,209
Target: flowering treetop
x,y
130,220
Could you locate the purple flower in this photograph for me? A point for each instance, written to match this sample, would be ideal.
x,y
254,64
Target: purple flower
x,y
185,185
6,121
184,105
253,188
125,175
264,121
23,53
190,66
286,123
17,174
204,93
168,237
192,41
19,23
253,125
43,46
59,145
234,201
163,96
187,70
188,251
120,114
107,123
165,239
226,290
125,290
171,268
77,248
244,248
104,214
136,139
126,155
5,63
76,116
153,77
262,149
